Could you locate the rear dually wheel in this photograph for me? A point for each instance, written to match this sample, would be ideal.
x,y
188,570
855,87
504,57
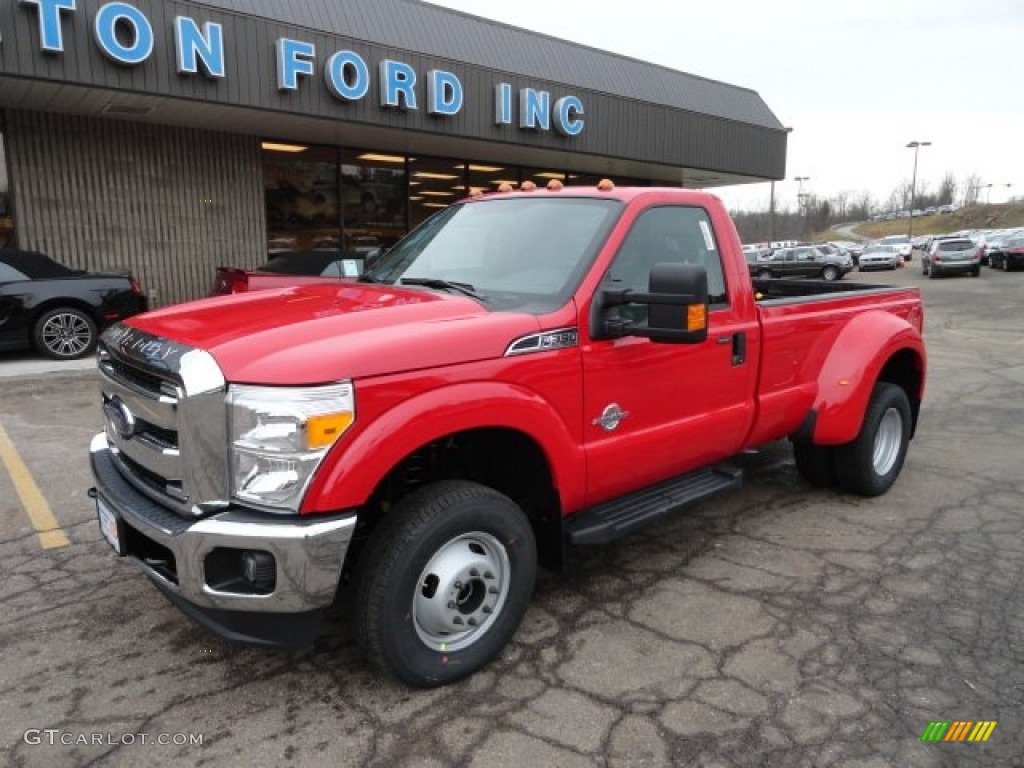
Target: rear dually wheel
x,y
870,464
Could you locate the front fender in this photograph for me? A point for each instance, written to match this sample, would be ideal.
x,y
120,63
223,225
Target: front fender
x,y
852,368
352,470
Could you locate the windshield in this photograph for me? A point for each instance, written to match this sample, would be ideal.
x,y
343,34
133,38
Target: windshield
x,y
896,240
518,253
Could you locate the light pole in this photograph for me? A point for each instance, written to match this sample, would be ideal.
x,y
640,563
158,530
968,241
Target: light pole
x,y
916,145
800,180
801,199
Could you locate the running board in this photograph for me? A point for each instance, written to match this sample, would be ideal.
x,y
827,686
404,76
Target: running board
x,y
607,522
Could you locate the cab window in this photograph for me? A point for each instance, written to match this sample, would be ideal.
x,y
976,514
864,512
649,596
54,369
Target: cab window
x,y
668,234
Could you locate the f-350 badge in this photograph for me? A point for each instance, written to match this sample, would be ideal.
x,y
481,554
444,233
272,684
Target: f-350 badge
x,y
611,417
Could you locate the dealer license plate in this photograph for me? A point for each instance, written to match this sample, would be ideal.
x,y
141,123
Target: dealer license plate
x,y
110,526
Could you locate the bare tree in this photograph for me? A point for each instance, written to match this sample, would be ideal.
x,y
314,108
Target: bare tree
x,y
947,190
971,189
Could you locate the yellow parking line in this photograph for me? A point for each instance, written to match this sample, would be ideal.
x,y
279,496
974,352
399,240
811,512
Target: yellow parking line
x,y
50,534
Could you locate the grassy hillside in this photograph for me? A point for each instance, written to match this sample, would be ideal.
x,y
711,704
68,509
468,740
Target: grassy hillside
x,y
974,217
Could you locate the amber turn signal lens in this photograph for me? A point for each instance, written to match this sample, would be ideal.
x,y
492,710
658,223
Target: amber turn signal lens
x,y
696,317
322,431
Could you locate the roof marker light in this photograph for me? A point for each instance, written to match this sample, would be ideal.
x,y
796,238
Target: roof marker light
x,y
605,185
527,186
555,185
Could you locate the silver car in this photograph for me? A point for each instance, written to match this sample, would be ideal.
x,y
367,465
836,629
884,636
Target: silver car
x,y
952,256
878,256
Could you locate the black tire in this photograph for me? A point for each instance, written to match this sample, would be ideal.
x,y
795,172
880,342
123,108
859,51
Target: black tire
x,y
861,467
65,333
830,273
1006,263
933,273
815,463
976,272
457,518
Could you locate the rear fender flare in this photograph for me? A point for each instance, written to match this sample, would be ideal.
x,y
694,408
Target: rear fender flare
x,y
853,366
352,470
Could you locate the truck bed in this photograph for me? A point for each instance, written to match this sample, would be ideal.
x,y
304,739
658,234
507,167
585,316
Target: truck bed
x,y
780,291
801,321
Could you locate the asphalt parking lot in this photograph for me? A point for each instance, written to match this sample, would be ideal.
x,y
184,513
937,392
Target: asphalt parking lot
x,y
776,626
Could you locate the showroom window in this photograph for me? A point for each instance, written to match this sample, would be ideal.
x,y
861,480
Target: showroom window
x,y
488,177
434,183
373,194
301,187
360,202
6,209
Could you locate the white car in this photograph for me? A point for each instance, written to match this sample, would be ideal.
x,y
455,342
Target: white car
x,y
879,256
902,244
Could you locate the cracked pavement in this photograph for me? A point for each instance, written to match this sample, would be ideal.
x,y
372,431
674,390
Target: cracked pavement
x,y
776,626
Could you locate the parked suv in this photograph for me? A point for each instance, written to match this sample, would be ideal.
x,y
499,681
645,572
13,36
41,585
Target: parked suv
x,y
952,256
803,261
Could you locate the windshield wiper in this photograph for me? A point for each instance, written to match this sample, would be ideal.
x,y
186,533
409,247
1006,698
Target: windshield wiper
x,y
436,282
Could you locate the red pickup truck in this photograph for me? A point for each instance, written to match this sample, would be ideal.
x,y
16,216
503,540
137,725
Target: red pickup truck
x,y
524,371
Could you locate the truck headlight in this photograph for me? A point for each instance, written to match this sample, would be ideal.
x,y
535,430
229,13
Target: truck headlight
x,y
279,435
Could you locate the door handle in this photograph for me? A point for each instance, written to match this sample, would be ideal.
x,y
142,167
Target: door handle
x,y
739,348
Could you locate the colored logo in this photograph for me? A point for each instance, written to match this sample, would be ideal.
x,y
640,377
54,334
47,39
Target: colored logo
x,y
959,730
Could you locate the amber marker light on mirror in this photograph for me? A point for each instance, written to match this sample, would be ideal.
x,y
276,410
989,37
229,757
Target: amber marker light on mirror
x,y
696,317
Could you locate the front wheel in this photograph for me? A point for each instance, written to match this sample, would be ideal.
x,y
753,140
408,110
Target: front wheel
x,y
65,333
870,464
829,273
444,582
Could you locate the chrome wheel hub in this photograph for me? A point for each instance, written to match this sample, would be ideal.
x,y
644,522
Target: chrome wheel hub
x,y
888,440
461,591
66,334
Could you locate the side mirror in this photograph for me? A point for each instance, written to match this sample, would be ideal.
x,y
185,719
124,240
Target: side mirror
x,y
677,302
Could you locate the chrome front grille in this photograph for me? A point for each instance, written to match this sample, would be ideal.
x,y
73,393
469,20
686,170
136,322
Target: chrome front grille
x,y
165,419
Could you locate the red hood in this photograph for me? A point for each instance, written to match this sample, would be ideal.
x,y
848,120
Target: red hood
x,y
317,333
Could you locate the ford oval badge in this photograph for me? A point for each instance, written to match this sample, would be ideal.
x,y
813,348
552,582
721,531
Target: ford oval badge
x,y
120,417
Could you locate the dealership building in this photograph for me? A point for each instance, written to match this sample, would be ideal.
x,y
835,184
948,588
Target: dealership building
x,y
171,137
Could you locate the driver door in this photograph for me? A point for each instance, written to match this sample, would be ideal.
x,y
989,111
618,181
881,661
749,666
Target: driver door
x,y
679,406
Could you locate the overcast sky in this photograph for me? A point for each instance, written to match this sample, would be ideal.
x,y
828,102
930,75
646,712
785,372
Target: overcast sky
x,y
856,80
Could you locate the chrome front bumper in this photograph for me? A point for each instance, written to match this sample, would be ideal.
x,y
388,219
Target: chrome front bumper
x,y
308,552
